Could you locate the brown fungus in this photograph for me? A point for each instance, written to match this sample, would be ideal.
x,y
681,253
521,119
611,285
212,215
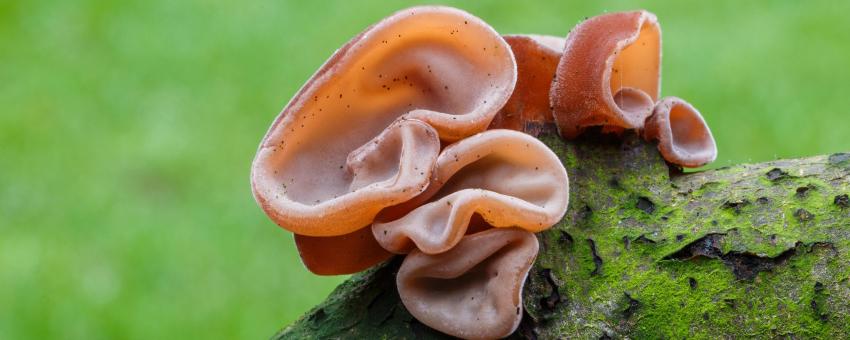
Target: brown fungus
x,y
474,290
508,178
528,108
344,254
364,131
683,136
306,192
609,74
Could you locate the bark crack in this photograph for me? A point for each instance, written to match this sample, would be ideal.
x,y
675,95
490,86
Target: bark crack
x,y
744,265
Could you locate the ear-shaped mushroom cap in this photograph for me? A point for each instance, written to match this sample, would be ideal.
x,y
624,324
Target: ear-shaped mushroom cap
x,y
508,178
609,74
338,255
313,197
474,290
334,158
528,108
683,136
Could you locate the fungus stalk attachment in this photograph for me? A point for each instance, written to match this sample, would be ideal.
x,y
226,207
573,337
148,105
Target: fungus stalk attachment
x,y
528,109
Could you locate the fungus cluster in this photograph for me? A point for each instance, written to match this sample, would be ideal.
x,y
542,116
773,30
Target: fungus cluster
x,y
610,76
386,150
417,138
606,74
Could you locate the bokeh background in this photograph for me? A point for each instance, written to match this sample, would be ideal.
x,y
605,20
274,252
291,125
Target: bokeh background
x,y
127,129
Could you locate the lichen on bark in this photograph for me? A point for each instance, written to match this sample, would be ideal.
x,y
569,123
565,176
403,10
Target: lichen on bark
x,y
759,250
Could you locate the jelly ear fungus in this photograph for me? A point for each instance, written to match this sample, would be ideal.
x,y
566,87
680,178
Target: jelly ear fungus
x,y
364,132
474,290
609,73
683,136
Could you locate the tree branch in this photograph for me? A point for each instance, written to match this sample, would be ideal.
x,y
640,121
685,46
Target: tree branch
x,y
749,250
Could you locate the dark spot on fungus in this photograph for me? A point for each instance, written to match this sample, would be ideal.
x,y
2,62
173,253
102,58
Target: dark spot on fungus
x,y
597,261
842,201
763,200
803,215
627,243
646,205
692,282
776,174
680,237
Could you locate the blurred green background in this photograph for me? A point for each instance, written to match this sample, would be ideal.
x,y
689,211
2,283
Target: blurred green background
x,y
127,129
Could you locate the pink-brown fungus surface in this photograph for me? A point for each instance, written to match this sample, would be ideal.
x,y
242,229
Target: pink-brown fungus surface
x,y
363,132
474,290
609,74
508,178
528,109
683,136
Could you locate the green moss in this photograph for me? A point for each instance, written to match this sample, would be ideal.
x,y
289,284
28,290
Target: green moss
x,y
700,297
766,273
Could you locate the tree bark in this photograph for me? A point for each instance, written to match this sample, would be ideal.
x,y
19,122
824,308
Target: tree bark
x,y
646,251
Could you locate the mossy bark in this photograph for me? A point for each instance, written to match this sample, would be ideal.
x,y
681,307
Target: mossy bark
x,y
648,252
